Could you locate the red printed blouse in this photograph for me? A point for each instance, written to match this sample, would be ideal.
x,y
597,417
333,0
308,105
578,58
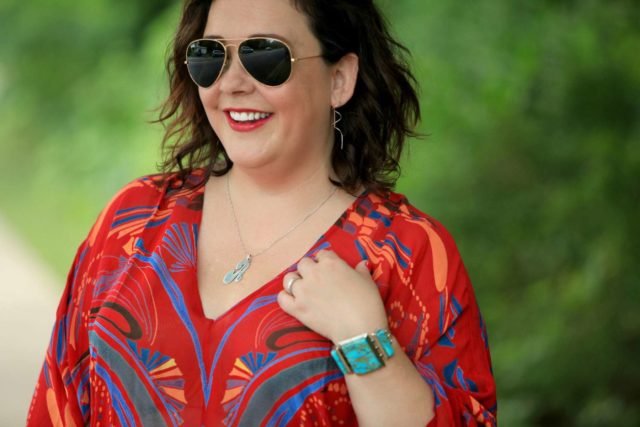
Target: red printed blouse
x,y
131,345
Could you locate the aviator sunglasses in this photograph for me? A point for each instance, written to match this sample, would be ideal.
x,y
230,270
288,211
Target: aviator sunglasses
x,y
266,59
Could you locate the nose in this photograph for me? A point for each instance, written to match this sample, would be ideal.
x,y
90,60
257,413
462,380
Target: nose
x,y
234,79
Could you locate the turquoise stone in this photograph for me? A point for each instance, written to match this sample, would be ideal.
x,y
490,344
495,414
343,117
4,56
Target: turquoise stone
x,y
338,360
361,356
364,353
384,337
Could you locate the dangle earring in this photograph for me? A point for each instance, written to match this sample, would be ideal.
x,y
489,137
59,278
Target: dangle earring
x,y
336,118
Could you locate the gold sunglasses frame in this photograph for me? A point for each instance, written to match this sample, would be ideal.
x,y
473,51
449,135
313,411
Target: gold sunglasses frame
x,y
237,46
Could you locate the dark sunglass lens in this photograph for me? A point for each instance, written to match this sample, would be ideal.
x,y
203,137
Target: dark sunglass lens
x,y
205,59
267,60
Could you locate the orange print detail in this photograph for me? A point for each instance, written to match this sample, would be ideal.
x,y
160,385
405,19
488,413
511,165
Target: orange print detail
x,y
440,262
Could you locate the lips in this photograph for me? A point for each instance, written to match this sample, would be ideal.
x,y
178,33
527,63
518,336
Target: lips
x,y
246,120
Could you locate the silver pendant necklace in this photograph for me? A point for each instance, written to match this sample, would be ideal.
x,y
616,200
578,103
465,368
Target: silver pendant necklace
x,y
236,273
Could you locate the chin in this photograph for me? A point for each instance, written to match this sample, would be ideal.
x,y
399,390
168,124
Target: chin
x,y
250,159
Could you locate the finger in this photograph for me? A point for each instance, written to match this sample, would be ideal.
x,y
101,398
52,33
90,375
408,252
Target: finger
x,y
289,281
305,265
363,268
286,302
324,253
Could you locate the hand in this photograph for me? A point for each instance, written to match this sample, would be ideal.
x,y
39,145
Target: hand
x,y
333,299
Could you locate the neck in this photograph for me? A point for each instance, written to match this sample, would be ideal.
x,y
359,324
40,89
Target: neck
x,y
263,184
286,181
296,180
299,190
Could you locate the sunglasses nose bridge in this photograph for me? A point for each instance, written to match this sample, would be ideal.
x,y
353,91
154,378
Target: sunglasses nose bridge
x,y
230,76
230,57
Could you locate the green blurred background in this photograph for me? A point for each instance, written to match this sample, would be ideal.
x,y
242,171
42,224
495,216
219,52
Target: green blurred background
x,y
532,162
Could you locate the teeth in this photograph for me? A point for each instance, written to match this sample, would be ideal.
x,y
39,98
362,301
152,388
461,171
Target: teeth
x,y
247,117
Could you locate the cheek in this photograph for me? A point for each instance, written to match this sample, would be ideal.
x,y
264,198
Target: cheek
x,y
209,99
305,104
303,124
296,113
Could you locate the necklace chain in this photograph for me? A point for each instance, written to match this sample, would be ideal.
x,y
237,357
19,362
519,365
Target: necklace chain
x,y
237,273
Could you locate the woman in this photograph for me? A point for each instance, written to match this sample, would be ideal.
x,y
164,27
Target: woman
x,y
274,279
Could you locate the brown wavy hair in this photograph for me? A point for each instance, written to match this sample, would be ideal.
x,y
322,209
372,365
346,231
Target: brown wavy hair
x,y
382,112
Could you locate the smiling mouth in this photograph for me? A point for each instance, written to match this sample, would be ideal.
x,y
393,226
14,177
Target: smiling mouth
x,y
247,120
248,116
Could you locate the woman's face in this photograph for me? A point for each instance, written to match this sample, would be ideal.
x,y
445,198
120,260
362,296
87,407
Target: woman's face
x,y
297,132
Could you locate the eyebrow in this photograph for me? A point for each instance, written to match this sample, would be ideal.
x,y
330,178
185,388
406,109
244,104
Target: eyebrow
x,y
266,35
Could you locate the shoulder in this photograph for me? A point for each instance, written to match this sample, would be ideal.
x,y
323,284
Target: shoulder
x,y
408,239
155,188
142,197
401,217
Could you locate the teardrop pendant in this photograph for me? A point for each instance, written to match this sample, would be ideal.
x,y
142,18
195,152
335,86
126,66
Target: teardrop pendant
x,y
235,274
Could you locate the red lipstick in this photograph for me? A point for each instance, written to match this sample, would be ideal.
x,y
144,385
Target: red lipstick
x,y
246,125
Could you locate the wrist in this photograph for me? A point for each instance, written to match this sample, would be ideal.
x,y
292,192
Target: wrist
x,y
346,333
364,353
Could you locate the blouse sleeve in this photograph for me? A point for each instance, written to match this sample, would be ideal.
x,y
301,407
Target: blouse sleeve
x,y
61,396
441,329
63,392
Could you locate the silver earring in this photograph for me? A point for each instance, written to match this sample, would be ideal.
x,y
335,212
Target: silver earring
x,y
336,118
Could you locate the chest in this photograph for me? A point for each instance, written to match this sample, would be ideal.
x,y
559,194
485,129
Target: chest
x,y
147,334
220,250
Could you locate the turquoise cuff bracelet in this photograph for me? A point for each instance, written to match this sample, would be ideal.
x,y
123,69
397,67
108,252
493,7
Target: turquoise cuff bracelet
x,y
364,353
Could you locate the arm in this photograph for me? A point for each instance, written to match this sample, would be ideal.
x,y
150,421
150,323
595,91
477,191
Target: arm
x,y
457,364
62,391
393,395
441,371
447,340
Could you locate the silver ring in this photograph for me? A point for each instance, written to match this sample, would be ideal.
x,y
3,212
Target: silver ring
x,y
288,286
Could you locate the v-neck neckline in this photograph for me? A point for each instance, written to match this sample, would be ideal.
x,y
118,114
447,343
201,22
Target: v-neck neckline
x,y
250,297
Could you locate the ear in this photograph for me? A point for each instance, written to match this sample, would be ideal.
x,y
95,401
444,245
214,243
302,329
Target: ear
x,y
344,76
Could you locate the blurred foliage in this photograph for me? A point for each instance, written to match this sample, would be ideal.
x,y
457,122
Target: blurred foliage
x,y
532,162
